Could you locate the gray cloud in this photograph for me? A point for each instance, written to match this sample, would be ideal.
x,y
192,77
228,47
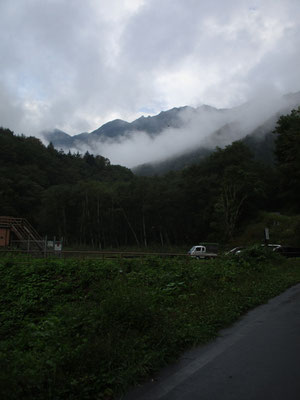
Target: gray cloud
x,y
75,65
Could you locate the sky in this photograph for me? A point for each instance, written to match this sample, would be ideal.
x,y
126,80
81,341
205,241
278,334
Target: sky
x,y
74,65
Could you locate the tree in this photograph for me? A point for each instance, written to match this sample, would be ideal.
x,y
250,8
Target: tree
x,y
238,187
287,151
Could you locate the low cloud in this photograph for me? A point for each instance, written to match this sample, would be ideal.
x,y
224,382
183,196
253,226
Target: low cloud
x,y
199,130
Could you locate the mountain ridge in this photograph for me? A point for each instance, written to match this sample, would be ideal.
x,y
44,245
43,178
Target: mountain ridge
x,y
204,128
151,124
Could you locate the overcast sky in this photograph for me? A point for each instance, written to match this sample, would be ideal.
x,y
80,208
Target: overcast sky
x,y
74,65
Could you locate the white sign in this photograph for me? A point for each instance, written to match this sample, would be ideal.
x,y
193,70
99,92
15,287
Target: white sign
x,y
267,234
57,247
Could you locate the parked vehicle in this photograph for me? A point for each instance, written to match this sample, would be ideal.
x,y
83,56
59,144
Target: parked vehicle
x,y
200,252
235,250
288,251
238,250
272,246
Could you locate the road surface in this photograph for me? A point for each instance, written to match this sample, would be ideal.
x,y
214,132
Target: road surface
x,y
258,358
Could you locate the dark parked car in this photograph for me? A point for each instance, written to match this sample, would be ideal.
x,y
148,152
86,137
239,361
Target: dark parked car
x,y
288,251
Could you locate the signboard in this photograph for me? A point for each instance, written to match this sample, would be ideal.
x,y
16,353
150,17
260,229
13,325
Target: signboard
x,y
267,234
57,247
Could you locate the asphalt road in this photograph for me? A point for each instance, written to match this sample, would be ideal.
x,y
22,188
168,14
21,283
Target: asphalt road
x,y
258,358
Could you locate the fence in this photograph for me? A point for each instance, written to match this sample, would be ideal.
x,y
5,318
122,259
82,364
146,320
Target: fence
x,y
88,254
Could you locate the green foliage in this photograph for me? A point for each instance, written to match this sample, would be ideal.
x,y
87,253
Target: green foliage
x,y
75,329
283,229
227,188
287,151
91,203
28,169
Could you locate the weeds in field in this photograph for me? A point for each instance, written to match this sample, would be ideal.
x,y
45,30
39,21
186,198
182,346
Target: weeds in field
x,y
89,329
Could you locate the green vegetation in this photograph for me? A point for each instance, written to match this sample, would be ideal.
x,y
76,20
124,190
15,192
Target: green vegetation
x,y
284,229
73,329
287,152
90,329
91,203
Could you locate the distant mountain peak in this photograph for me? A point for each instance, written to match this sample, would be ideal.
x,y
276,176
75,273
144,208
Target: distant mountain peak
x,y
115,122
204,127
205,107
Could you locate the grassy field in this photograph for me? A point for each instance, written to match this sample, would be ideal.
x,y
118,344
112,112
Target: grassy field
x,y
75,329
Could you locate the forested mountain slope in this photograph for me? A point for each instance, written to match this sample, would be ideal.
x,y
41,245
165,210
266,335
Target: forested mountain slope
x,y
87,201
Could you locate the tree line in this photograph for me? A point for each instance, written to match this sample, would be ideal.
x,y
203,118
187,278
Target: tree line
x,y
88,201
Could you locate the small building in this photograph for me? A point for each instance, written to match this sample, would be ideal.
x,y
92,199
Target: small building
x,y
16,230
4,236
18,234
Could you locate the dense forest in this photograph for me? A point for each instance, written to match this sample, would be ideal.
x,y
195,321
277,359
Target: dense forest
x,y
88,201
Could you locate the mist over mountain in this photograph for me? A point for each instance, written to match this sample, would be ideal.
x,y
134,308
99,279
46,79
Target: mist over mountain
x,y
116,129
180,136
